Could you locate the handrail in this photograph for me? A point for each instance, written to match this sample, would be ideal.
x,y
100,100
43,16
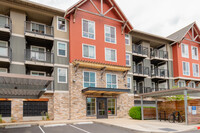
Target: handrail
x,y
6,52
159,54
160,72
140,70
7,24
139,49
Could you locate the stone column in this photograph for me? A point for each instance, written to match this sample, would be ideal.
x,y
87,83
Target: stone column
x,y
17,109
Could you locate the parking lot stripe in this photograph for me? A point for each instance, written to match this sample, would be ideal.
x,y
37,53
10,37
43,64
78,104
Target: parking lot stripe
x,y
55,125
41,129
82,123
79,129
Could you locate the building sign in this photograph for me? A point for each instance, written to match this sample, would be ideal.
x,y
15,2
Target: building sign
x,y
194,110
190,109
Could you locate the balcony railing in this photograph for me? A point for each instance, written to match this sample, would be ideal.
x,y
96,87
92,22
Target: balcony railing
x,y
141,70
6,52
160,73
37,56
159,54
51,87
5,22
39,29
142,90
138,49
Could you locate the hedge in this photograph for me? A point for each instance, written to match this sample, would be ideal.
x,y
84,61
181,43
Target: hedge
x,y
135,112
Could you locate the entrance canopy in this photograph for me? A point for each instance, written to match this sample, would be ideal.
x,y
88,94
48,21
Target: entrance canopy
x,y
172,92
23,86
107,91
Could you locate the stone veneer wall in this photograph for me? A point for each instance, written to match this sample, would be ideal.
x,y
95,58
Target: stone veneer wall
x,y
78,100
17,109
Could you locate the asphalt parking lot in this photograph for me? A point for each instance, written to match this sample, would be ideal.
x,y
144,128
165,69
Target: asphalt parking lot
x,y
73,128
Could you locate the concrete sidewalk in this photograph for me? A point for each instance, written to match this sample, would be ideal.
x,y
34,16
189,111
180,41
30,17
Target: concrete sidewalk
x,y
139,125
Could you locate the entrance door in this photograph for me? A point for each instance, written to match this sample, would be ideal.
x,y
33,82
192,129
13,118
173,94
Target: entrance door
x,y
102,108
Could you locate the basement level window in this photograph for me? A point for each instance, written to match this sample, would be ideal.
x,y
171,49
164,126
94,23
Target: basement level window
x,y
31,108
5,108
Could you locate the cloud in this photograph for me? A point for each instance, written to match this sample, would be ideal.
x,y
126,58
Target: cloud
x,y
160,17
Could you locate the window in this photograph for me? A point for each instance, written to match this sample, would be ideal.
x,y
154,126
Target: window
x,y
196,70
39,28
110,34
128,60
184,49
88,29
62,24
186,68
31,108
127,39
91,106
129,82
181,83
194,53
36,73
3,70
38,53
3,48
4,22
111,55
5,108
192,85
89,79
111,106
62,49
89,51
62,75
111,81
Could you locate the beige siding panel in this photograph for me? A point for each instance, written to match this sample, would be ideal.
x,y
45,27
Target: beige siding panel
x,y
129,47
18,19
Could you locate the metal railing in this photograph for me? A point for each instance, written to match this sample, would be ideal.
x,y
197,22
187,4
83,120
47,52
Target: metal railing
x,y
159,54
5,22
160,72
142,90
137,69
46,57
6,52
39,29
138,49
51,87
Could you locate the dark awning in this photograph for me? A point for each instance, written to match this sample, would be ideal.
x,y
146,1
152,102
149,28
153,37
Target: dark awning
x,y
23,86
95,90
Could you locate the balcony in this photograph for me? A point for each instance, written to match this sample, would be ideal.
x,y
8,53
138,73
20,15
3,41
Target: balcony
x,y
5,54
140,52
159,74
37,30
5,27
39,58
142,90
158,56
140,71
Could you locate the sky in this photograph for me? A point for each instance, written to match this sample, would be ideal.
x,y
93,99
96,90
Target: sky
x,y
160,17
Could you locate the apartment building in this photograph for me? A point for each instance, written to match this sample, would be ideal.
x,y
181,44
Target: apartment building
x,y
186,56
34,60
151,61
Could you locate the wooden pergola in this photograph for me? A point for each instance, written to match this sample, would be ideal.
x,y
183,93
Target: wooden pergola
x,y
172,92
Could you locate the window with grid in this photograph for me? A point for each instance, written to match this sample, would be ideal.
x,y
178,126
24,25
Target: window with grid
x,y
89,79
186,68
111,55
88,29
5,108
110,34
61,24
62,75
111,81
91,106
185,51
194,53
196,70
62,49
89,51
31,108
111,106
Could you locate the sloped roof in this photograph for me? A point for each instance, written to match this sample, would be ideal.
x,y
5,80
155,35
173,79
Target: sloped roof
x,y
179,35
79,3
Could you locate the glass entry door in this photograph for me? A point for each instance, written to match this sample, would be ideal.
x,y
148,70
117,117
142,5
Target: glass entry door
x,y
102,108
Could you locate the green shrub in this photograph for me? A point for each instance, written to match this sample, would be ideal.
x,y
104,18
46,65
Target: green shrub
x,y
135,113
1,119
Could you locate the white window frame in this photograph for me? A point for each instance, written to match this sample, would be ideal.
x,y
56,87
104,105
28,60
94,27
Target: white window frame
x,y
6,70
193,69
65,24
33,22
90,82
58,49
129,58
38,51
115,34
128,39
130,83
188,68
38,72
111,83
88,51
195,58
192,82
115,54
88,27
183,55
182,82
59,76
